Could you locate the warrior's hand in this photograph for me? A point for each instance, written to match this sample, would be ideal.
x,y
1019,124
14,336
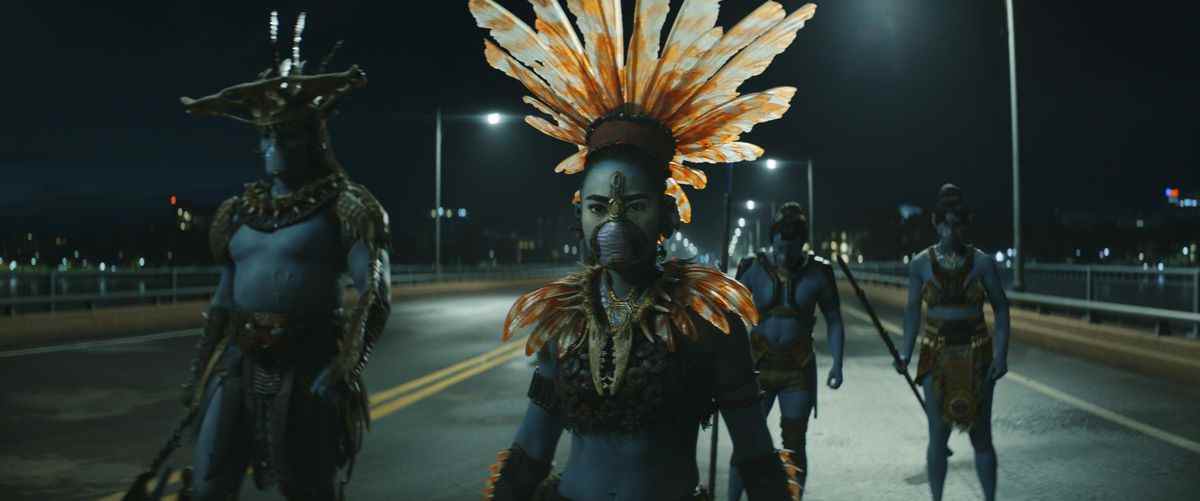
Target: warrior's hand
x,y
835,377
325,385
999,368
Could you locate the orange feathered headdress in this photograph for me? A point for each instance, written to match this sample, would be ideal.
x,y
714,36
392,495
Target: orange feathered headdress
x,y
681,102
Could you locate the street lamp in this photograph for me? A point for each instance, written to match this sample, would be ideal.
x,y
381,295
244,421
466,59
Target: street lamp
x,y
492,119
772,164
750,205
741,223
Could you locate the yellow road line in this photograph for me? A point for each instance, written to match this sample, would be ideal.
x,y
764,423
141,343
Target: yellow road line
x,y
1083,405
171,479
379,401
388,394
402,402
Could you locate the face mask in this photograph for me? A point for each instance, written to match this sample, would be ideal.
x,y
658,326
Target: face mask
x,y
790,252
618,242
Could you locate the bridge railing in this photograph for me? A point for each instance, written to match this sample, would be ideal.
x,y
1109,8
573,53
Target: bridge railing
x,y
50,291
1167,297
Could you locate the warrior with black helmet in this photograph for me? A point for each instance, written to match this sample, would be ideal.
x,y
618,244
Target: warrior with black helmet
x,y
789,283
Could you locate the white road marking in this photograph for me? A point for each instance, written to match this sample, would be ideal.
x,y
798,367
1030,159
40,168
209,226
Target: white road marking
x,y
1065,398
87,345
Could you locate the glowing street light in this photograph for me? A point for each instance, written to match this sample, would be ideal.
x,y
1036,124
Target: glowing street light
x,y
772,164
493,118
741,223
750,205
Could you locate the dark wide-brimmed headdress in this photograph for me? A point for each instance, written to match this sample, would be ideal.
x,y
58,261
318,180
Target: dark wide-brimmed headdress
x,y
680,104
282,93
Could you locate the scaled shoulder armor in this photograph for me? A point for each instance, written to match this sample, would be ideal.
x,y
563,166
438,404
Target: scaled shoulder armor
x,y
362,217
221,231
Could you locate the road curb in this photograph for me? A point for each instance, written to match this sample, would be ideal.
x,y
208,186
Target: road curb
x,y
46,329
1143,352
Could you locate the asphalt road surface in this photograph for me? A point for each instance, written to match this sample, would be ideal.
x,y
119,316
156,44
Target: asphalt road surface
x,y
78,422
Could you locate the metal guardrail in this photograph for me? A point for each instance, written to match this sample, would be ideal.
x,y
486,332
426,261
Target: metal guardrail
x,y
172,290
1089,307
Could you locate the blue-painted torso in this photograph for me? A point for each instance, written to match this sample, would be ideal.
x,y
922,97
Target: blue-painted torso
x,y
293,269
806,285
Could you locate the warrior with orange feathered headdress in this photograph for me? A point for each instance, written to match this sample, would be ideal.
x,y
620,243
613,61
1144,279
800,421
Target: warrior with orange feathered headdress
x,y
633,351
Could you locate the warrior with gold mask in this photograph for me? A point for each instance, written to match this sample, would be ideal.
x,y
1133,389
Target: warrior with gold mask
x,y
960,360
635,353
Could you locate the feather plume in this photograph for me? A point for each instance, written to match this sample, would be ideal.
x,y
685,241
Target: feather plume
x,y
681,200
649,16
695,18
590,17
689,85
686,175
726,153
573,164
737,116
751,61
743,33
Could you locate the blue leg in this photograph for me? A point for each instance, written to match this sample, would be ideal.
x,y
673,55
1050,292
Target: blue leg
x,y
939,435
735,481
981,439
220,456
796,407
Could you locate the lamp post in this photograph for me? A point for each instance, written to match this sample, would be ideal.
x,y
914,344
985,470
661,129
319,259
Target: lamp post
x,y
1019,258
492,119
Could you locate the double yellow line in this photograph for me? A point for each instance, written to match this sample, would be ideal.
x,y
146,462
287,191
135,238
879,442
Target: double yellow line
x,y
398,397
391,400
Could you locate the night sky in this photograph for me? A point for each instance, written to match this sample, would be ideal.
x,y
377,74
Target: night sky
x,y
895,98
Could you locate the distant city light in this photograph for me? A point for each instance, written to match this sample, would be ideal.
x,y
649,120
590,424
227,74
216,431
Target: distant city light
x,y
772,164
64,261
1185,250
905,259
12,266
574,250
566,249
493,118
741,222
172,199
678,237
845,248
1106,252
432,213
750,205
737,232
462,213
860,259
1012,252
1078,252
103,266
33,261
686,244
141,262
1160,266
1141,256
999,257
179,212
76,254
441,211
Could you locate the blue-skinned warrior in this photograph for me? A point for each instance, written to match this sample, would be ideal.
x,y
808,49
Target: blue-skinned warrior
x,y
635,353
788,285
277,378
960,359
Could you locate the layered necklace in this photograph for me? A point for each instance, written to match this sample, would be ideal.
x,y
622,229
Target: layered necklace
x,y
948,259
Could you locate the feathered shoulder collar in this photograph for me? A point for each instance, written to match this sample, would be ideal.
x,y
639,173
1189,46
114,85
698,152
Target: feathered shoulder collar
x,y
565,311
